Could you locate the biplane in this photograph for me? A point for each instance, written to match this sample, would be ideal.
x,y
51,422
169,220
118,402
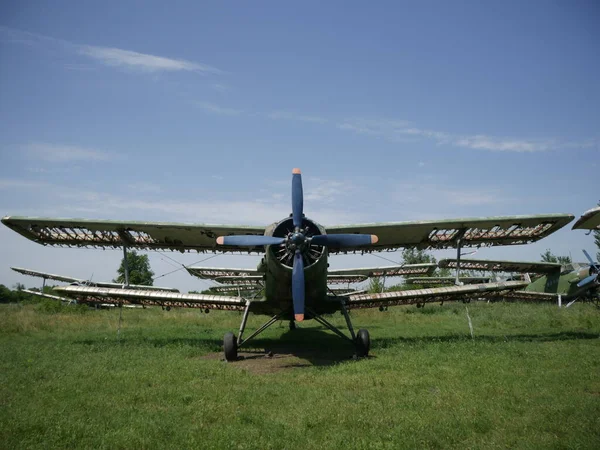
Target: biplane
x,y
293,273
552,281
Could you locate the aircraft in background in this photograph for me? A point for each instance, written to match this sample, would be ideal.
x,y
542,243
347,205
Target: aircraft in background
x,y
293,270
554,282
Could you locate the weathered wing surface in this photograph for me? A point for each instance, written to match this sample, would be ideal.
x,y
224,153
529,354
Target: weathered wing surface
x,y
441,294
344,279
65,279
250,280
501,266
235,288
44,295
388,271
589,220
114,233
86,294
473,232
212,273
436,281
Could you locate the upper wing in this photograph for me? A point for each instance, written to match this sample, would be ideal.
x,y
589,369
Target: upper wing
x,y
474,232
589,220
442,294
212,273
86,294
51,276
114,233
388,271
501,266
427,281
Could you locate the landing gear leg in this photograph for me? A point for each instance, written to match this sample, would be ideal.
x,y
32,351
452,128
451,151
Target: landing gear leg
x,y
231,344
361,341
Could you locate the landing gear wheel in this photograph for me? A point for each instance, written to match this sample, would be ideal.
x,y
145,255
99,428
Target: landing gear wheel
x,y
363,343
230,347
292,325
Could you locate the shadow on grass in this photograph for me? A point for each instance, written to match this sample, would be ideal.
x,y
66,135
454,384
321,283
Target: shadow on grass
x,y
315,346
540,337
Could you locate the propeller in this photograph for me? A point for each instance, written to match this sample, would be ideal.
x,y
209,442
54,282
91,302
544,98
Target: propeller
x,y
593,276
297,243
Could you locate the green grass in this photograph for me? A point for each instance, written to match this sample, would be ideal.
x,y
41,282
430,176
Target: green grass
x,y
529,379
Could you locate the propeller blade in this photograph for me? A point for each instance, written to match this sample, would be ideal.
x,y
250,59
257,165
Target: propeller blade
x,y
297,198
344,240
589,258
298,286
587,280
249,241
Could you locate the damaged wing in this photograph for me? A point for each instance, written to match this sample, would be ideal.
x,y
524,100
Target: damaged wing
x,y
212,273
65,279
92,295
437,281
115,233
388,271
501,266
441,294
472,232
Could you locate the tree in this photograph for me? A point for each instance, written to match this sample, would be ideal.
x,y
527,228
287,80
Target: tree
x,y
6,295
414,256
139,269
550,257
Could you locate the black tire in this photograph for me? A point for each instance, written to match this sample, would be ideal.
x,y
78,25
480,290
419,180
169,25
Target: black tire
x,y
363,343
230,347
292,325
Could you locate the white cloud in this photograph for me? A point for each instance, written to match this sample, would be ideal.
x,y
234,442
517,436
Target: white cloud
x,y
141,61
392,130
482,142
109,56
216,109
8,183
66,153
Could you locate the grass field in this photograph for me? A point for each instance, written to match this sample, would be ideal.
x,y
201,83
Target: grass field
x,y
530,378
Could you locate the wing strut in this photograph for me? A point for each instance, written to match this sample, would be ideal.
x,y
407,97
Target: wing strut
x,y
126,264
457,281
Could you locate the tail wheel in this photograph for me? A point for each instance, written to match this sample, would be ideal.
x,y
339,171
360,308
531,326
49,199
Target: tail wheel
x,y
230,347
363,343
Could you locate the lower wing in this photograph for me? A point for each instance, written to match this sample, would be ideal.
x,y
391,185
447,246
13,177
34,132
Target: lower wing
x,y
442,294
92,295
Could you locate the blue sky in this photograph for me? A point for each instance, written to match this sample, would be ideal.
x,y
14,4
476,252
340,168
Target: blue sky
x,y
197,112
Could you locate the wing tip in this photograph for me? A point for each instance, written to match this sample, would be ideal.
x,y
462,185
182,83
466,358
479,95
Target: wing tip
x,y
220,240
296,171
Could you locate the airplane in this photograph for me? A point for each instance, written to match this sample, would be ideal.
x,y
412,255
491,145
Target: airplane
x,y
293,270
554,282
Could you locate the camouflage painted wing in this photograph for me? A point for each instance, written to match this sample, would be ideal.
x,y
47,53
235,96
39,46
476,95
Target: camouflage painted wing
x,y
501,266
95,295
388,271
589,220
442,294
114,233
473,232
65,279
